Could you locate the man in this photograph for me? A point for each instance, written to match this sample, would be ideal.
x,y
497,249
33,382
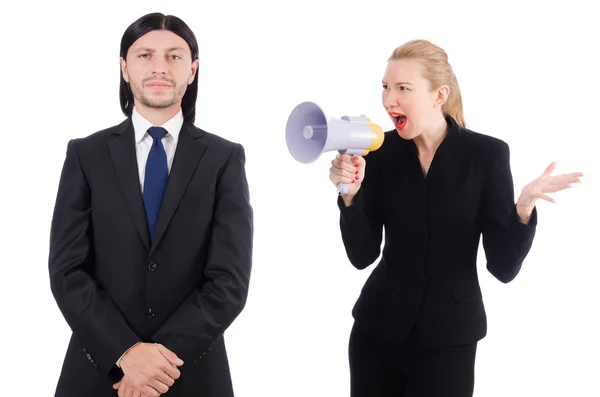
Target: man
x,y
151,239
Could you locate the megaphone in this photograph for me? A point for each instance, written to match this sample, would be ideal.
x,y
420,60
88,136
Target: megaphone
x,y
310,133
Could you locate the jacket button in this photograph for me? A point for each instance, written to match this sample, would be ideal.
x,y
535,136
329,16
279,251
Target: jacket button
x,y
152,266
150,313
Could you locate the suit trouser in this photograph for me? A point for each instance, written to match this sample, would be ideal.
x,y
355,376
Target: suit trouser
x,y
410,369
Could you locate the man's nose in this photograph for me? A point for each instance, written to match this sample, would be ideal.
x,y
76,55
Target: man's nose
x,y
160,66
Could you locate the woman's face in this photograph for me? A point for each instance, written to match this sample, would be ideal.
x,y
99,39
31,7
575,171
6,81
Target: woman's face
x,y
407,97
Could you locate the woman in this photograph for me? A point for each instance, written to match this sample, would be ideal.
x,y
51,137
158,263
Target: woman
x,y
436,187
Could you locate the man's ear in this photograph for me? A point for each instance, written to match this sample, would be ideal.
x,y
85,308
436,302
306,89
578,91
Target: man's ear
x,y
124,69
195,66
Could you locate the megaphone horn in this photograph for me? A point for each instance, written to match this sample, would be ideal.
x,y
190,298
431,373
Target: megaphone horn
x,y
310,133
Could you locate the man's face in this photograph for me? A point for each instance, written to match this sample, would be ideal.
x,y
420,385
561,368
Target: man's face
x,y
158,68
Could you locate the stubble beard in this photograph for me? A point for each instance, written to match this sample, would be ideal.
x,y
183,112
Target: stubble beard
x,y
158,103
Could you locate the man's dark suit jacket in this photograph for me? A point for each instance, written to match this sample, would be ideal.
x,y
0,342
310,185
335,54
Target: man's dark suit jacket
x,y
115,288
427,275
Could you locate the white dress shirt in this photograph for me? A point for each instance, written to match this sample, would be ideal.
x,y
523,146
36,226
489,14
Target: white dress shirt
x,y
143,144
143,140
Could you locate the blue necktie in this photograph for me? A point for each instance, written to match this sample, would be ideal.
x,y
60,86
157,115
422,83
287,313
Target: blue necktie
x,y
155,178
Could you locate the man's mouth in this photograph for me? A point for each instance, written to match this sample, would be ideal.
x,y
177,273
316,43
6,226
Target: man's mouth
x,y
157,83
160,85
399,120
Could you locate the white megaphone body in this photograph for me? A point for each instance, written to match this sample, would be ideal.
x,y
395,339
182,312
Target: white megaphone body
x,y
310,133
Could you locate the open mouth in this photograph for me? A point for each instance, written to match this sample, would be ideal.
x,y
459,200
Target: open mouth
x,y
399,120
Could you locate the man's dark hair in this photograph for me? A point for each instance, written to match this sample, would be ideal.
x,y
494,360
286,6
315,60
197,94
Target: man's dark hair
x,y
148,23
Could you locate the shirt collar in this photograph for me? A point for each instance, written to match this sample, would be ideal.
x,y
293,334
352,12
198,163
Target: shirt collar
x,y
141,125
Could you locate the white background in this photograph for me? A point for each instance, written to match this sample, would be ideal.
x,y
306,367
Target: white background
x,y
528,73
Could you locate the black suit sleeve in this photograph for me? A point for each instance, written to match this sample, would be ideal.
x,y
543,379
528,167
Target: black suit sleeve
x,y
94,318
201,319
506,240
361,224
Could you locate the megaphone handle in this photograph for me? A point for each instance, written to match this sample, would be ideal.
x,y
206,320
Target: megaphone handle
x,y
343,188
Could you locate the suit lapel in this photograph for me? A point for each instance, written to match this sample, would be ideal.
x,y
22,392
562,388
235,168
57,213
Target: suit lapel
x,y
122,150
187,155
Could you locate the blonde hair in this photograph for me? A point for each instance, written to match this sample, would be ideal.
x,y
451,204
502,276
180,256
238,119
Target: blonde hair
x,y
437,71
